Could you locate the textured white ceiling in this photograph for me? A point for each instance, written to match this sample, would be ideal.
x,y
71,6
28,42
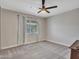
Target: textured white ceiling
x,y
32,6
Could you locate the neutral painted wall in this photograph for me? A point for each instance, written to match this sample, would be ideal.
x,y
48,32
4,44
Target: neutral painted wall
x,y
0,27
64,28
10,28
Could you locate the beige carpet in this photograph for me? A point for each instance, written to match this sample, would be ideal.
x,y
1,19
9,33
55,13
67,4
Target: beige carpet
x,y
41,50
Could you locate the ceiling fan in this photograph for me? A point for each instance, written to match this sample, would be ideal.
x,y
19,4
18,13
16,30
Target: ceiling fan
x,y
45,8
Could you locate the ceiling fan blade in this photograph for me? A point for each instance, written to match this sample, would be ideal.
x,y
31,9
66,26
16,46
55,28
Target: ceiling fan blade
x,y
39,11
47,11
43,2
51,7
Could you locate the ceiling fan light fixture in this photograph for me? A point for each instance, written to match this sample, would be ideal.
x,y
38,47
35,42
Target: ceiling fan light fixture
x,y
45,8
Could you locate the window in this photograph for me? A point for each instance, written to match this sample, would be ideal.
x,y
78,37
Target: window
x,y
31,27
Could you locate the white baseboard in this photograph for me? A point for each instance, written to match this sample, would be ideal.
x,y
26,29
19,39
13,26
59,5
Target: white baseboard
x,y
59,43
35,42
16,45
8,47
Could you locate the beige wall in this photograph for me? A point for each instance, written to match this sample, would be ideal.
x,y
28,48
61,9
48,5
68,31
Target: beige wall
x,y
8,29
0,27
64,28
12,28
